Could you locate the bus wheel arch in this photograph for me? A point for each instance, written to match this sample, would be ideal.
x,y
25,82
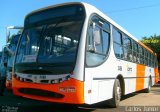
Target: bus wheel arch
x,y
148,89
122,84
118,91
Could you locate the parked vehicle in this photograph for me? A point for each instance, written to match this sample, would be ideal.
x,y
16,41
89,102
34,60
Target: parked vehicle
x,y
73,53
0,55
0,64
12,41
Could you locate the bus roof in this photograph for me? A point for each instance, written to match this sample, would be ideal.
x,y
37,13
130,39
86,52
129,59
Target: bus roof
x,y
53,6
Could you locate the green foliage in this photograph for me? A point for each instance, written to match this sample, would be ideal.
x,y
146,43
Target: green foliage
x,y
153,42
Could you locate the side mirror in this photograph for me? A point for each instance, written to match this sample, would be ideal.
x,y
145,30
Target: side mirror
x,y
7,36
12,27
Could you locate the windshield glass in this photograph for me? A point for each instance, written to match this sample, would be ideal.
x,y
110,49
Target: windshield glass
x,y
12,49
0,56
52,41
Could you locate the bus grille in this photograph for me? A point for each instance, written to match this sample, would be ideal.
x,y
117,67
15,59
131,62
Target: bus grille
x,y
42,93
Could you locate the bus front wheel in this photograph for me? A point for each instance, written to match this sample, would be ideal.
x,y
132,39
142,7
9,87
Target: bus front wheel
x,y
114,102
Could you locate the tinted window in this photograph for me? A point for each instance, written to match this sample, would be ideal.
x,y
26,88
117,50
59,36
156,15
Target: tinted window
x,y
141,54
54,14
117,39
146,58
52,42
127,48
135,52
105,36
97,48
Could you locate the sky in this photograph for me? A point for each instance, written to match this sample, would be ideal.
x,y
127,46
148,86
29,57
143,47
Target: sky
x,y
139,17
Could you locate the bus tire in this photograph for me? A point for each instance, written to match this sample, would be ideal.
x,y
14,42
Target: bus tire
x,y
114,102
148,89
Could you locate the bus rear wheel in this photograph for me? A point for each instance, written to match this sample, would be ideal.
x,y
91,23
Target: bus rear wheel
x,y
114,102
148,90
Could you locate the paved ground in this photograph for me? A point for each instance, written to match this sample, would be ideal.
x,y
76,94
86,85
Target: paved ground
x,y
143,99
131,103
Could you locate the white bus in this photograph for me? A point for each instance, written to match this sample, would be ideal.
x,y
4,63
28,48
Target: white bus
x,y
73,53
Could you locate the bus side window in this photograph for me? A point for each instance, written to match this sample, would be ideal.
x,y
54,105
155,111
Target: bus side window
x,y
127,48
145,57
141,54
97,42
117,39
149,59
152,60
135,52
138,55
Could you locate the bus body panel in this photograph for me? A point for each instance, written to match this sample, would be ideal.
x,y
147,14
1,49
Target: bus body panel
x,y
102,82
72,90
80,63
100,79
156,79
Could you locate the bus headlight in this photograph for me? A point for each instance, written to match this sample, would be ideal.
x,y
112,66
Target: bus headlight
x,y
52,81
56,81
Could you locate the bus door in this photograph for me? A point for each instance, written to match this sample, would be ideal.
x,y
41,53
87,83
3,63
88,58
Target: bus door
x,y
98,40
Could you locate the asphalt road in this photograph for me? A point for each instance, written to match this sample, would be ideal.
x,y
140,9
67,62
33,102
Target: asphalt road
x,y
134,102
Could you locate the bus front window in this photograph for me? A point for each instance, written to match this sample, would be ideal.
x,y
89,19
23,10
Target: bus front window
x,y
29,45
59,43
51,45
51,40
97,50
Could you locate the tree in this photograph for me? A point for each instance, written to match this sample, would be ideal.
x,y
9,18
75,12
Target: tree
x,y
153,42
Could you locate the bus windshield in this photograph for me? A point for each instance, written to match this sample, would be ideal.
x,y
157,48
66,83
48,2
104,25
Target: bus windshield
x,y
52,40
0,56
12,45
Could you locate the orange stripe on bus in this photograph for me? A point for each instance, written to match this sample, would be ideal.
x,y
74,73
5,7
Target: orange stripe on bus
x,y
140,77
145,46
156,75
76,97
